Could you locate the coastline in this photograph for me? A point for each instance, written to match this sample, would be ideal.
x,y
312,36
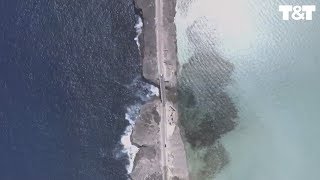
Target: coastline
x,y
158,158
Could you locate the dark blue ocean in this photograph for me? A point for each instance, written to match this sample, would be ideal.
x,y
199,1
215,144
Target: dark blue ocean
x,y
64,67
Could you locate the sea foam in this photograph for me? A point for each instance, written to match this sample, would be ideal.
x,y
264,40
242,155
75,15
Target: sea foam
x,y
138,28
144,92
128,148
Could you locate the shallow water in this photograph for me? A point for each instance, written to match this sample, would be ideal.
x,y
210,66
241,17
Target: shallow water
x,y
274,86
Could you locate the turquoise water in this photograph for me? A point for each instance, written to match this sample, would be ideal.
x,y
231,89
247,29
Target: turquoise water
x,y
274,85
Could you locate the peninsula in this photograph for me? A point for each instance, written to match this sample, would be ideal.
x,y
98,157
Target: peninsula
x,y
157,134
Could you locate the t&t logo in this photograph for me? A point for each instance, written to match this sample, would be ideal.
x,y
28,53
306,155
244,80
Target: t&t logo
x,y
297,12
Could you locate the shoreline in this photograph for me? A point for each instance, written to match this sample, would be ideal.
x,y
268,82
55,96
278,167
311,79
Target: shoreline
x,y
156,133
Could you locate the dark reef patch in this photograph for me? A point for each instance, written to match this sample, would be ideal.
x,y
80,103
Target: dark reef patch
x,y
206,110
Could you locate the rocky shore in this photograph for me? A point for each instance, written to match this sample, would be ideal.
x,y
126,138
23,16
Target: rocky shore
x,y
146,133
146,10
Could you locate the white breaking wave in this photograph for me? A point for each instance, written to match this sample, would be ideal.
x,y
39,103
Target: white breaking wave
x,y
145,92
138,28
128,148
154,91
